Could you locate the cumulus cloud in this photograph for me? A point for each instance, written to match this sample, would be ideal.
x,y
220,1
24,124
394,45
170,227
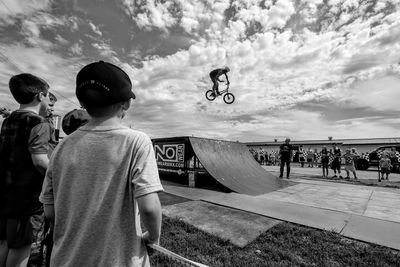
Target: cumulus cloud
x,y
10,9
381,93
76,49
154,14
274,16
282,68
106,50
281,54
95,29
57,71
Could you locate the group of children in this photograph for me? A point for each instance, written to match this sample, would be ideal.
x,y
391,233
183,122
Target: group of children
x,y
349,160
97,186
350,157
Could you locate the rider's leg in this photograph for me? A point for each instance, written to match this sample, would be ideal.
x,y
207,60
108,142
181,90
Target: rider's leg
x,y
215,87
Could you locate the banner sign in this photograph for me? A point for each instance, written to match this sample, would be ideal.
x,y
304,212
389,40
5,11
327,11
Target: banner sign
x,y
170,155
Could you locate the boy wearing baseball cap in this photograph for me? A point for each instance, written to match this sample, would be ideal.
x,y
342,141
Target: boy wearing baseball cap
x,y
101,179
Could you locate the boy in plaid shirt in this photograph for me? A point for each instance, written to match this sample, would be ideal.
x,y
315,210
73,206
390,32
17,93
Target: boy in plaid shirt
x,y
24,144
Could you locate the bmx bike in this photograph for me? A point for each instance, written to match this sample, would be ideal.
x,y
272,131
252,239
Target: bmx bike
x,y
228,97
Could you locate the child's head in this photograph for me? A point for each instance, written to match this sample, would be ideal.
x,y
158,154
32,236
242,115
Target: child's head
x,y
348,150
53,98
26,88
104,89
47,111
73,120
385,155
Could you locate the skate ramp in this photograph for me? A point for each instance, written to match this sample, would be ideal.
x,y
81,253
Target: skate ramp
x,y
232,165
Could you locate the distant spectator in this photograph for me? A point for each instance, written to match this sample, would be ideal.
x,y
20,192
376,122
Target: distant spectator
x,y
393,157
266,158
285,153
349,163
272,158
302,159
356,156
385,166
261,153
310,158
325,161
336,162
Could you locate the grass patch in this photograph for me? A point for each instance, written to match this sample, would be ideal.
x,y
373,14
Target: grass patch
x,y
283,245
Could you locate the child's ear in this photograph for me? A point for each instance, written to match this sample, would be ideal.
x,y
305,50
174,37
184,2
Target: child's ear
x,y
41,95
126,105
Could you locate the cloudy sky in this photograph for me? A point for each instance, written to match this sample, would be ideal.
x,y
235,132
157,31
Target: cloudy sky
x,y
304,69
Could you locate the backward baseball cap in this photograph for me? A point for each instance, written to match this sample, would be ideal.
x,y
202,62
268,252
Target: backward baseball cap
x,y
102,84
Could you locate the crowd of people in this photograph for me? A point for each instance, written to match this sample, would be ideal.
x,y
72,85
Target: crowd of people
x,y
94,190
334,159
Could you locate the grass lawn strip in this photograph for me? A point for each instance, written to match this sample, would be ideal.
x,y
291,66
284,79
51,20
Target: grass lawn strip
x,y
285,244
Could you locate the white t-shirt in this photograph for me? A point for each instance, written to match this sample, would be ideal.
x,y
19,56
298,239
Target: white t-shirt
x,y
94,177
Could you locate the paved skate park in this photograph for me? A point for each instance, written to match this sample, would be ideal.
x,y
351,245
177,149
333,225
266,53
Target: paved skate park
x,y
259,199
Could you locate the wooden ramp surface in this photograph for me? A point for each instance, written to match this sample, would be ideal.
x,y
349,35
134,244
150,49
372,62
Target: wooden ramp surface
x,y
232,165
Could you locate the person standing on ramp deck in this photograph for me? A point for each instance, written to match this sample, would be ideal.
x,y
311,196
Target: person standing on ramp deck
x,y
285,152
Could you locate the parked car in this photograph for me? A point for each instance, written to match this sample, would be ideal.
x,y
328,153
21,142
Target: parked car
x,y
372,158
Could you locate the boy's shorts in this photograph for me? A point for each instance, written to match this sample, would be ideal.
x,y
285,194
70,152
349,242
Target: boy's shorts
x,y
336,164
350,168
385,171
21,232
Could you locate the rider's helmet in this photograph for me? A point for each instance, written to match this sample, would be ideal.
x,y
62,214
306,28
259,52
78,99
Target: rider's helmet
x,y
227,69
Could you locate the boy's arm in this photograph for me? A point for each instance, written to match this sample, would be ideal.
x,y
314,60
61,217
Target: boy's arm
x,y
150,211
41,162
49,214
38,146
146,182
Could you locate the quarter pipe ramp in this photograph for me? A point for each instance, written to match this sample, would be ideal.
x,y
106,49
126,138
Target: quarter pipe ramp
x,y
232,165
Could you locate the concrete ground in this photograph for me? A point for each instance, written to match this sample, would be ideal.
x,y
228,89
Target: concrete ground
x,y
239,227
315,172
365,213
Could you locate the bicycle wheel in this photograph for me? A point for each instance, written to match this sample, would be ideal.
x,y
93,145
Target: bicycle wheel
x,y
229,98
210,95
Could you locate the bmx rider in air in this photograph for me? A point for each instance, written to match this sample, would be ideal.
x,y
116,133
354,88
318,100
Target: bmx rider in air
x,y
215,74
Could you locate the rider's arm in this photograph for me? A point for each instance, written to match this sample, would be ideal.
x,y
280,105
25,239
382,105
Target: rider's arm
x,y
227,80
220,72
